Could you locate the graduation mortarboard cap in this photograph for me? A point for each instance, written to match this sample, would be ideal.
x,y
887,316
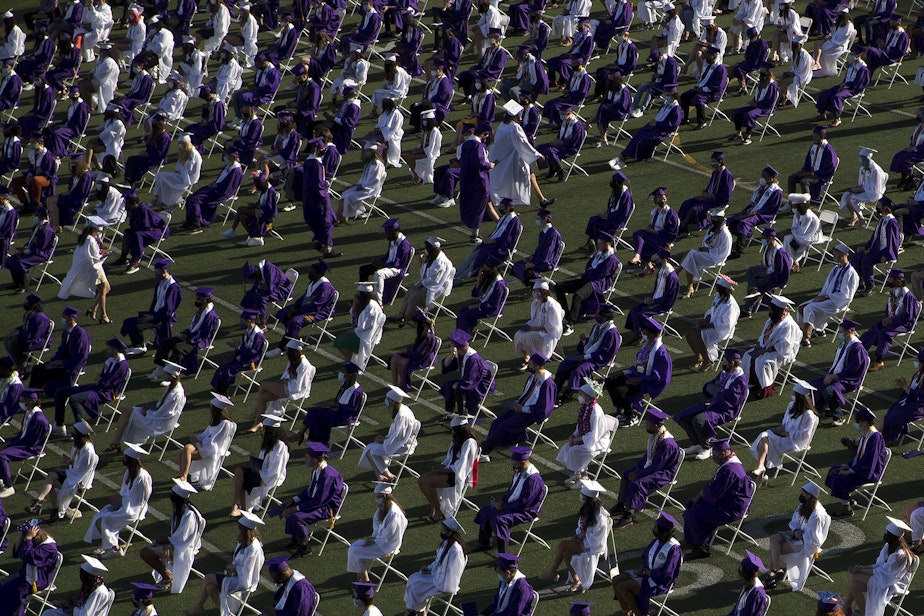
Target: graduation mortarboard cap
x,y
660,191
220,401
591,488
135,451
592,388
453,524
460,420
183,489
663,254
364,590
781,302
32,298
82,427
396,393
173,369
468,127
848,324
30,393
802,387
317,450
513,108
732,354
771,171
70,311
752,31
619,177
350,368
92,565
436,242
718,212
392,224
751,562
843,248
867,152
519,454
812,488
829,603
718,156
7,361
895,17
321,265
383,487
606,308
885,201
655,415
708,20
278,563
650,325
544,213
365,287
538,358
249,520
798,198
160,264
580,608
428,114
271,421
249,315
348,90
204,292
864,414
768,232
897,527
819,130
541,283
116,344
7,15
666,521
719,445
460,337
507,561
896,273
603,236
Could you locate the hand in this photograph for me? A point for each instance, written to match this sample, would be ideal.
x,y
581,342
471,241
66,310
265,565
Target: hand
x,y
901,382
288,511
830,378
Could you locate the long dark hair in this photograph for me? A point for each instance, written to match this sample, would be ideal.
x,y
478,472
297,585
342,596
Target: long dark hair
x,y
590,511
271,436
388,501
424,328
806,508
899,543
460,434
218,416
802,404
134,467
85,234
454,537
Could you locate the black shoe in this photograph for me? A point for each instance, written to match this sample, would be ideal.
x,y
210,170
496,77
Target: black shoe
x,y
844,512
699,551
618,509
625,521
481,547
547,202
561,175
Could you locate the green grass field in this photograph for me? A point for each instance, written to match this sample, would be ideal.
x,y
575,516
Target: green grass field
x,y
705,587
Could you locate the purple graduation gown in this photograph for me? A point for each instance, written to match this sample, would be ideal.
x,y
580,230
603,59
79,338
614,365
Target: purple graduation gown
x,y
664,463
522,509
474,183
909,407
897,43
38,117
57,136
640,312
615,107
403,255
42,558
643,143
10,89
544,257
9,401
848,379
155,154
73,201
831,100
419,355
11,156
319,501
139,95
319,306
214,116
249,139
246,355
619,209
725,499
490,305
34,330
320,419
26,444
266,81
902,161
316,208
648,241
743,223
345,123
755,602
721,185
570,142
410,45
144,228
580,366
655,380
300,601
903,320
475,381
164,317
42,53
661,578
515,602
755,52
766,101
888,229
202,205
73,353
199,340
510,427
617,24
716,83
868,465
273,287
724,406
825,171
107,387
578,89
38,250
267,210
502,245
7,233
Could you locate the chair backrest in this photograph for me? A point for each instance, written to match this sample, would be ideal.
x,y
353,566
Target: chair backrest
x,y
6,530
317,600
503,303
167,217
415,432
767,609
110,599
612,424
829,217
559,251
533,603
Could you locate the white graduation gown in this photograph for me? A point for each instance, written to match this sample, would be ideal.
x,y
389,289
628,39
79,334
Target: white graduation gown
x,y
576,457
595,545
86,267
228,79
388,535
399,440
719,245
186,540
724,317
451,497
248,561
437,277
221,23
873,181
369,326
113,519
169,186
891,575
442,576
162,46
213,445
801,429
839,296
431,149
272,474
814,533
512,154
112,134
785,338
806,230
390,124
79,474
160,419
369,186
106,73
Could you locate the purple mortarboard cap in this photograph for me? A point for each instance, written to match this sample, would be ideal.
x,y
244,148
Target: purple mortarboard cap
x,y
250,315
616,73
364,590
460,337
752,31
768,232
143,590
885,201
348,90
538,358
666,521
619,177
316,143
160,264
660,191
663,253
719,445
766,65
856,49
518,454
580,608
70,311
350,368
606,308
321,266
897,273
494,31
317,450
421,316
848,324
299,69
74,90
769,170
544,214
278,563
7,361
606,237
655,415
391,224
204,90
32,298
731,354
248,270
819,130
439,63
507,202
669,90
204,291
751,562
713,49
116,344
895,17
507,561
864,413
649,324
718,156
468,127
130,194
830,603
30,393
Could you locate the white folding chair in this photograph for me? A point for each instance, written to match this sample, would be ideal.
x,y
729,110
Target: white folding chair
x,y
882,269
31,465
891,72
328,530
321,326
663,318
612,425
167,217
904,341
371,208
401,460
446,599
669,145
665,491
204,358
114,404
292,277
798,457
735,527
819,251
659,603
714,108
35,357
424,373
349,429
571,162
898,599
528,531
41,596
766,126
491,323
243,596
492,371
536,431
133,532
713,272
868,491
386,562
783,376
43,267
80,499
250,376
858,107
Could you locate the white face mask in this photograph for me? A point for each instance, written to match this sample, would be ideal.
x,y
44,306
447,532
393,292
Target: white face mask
x,y
478,86
582,399
917,365
358,603
433,74
762,181
341,376
502,579
856,426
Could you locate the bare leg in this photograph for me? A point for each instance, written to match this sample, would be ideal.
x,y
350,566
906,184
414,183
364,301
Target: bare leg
x,y
50,485
210,590
397,365
779,545
534,187
857,590
99,302
563,553
186,456
428,484
151,556
237,500
763,445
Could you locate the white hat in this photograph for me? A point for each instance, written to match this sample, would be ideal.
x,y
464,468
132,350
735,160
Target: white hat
x,y
867,152
93,565
708,19
185,138
453,524
153,20
802,387
460,420
220,401
370,145
82,427
230,49
368,287
135,451
103,178
271,421
295,343
780,301
396,393
669,6
592,388
843,248
513,107
383,487
183,488
591,488
812,488
897,527
844,9
797,198
725,281
436,242
355,47
244,6
173,369
391,58
428,114
7,15
718,211
541,283
191,39
249,520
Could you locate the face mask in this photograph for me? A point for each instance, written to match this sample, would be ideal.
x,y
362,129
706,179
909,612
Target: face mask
x,y
540,224
645,337
917,365
478,86
502,579
537,295
856,426
433,74
762,182
64,322
24,406
379,499
341,376
358,603
763,243
199,303
841,336
36,220
444,536
802,498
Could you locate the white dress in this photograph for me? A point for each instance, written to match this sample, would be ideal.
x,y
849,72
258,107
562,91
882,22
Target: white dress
x,y
814,533
800,431
193,69
873,181
802,75
595,545
369,326
86,271
228,79
97,603
784,338
891,575
390,124
79,474
548,315
113,519
399,440
437,278
576,457
173,104
388,534
396,89
444,574
272,474
718,245
247,561
298,385
160,419
112,134
566,25
213,444
221,23
840,285
249,32
369,186
512,154
432,143
14,43
162,46
169,186
451,497
98,23
834,48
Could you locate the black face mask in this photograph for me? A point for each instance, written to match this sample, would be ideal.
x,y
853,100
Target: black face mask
x,y
199,303
803,499
445,536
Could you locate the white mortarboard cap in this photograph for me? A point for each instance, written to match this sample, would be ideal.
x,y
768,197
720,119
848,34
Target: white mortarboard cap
x,y
459,420
135,451
396,393
384,487
798,198
707,20
190,39
727,282
812,488
428,114
513,107
82,428
897,527
592,388
355,47
453,524
153,20
93,565
669,6
843,248
230,49
272,421
591,488
249,520
367,287
370,145
172,368
802,387
391,58
780,301
541,283
185,138
295,343
220,401
867,152
799,38
7,15
183,488
436,242
718,211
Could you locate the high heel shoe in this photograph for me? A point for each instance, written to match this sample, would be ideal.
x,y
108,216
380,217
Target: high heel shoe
x,y
91,314
104,320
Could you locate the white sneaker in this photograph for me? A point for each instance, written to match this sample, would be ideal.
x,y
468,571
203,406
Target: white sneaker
x,y
482,459
60,430
693,450
437,199
703,455
447,203
227,233
138,350
71,514
111,553
636,113
6,492
273,353
252,241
